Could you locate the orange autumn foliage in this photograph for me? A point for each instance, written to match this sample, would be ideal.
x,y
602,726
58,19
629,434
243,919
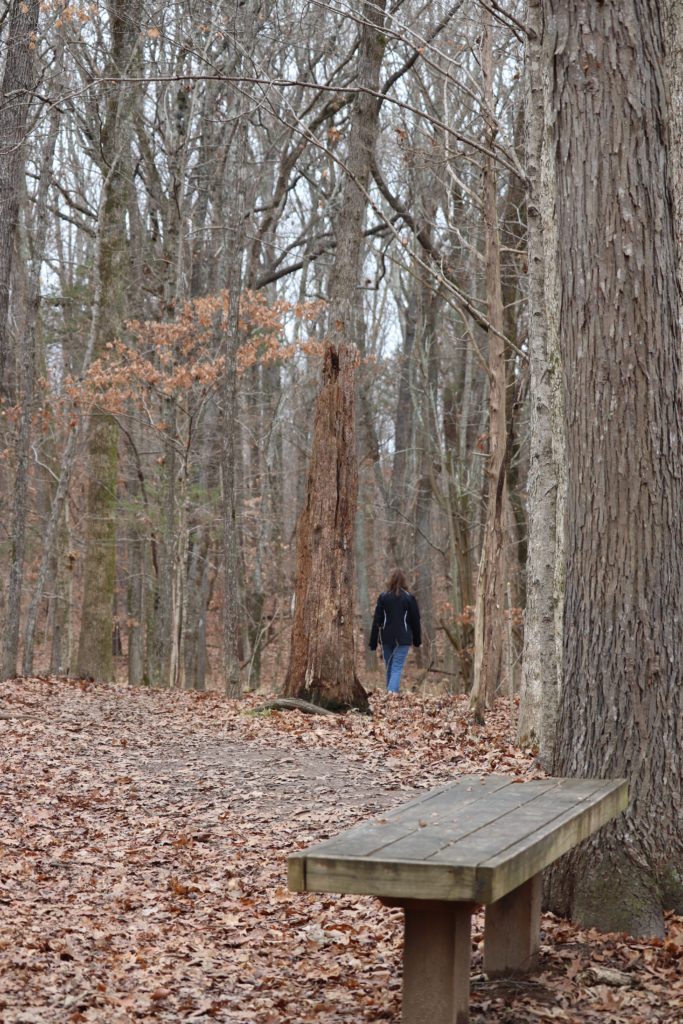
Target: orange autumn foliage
x,y
183,357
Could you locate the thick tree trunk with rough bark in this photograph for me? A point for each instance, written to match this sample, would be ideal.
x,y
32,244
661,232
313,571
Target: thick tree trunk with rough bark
x,y
621,706
675,69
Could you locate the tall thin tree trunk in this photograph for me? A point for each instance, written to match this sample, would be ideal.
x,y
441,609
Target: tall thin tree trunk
x,y
232,618
542,660
403,436
489,623
18,80
427,463
94,644
27,383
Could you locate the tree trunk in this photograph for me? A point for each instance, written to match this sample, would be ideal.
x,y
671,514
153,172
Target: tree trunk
x,y
17,84
61,644
621,707
675,69
399,528
322,656
542,659
94,644
135,598
198,585
20,509
459,512
425,400
489,620
232,619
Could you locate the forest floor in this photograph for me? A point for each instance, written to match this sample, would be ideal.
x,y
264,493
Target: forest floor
x,y
143,845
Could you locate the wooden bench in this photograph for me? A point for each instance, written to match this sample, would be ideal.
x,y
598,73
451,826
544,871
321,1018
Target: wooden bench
x,y
478,840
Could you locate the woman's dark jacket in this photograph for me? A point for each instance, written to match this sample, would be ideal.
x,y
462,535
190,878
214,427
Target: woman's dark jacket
x,y
397,620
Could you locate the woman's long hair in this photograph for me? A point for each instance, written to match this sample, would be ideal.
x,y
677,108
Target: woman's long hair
x,y
397,581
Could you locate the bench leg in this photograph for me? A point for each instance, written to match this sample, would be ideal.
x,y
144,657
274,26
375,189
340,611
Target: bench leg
x,y
436,963
512,932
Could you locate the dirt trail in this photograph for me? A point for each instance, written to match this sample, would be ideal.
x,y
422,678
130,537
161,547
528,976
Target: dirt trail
x,y
143,845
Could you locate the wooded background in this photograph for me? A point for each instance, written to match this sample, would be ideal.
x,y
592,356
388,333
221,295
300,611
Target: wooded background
x,y
291,293
163,165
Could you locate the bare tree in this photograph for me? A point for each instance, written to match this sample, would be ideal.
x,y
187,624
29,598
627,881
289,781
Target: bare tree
x,y
545,563
95,639
18,80
490,600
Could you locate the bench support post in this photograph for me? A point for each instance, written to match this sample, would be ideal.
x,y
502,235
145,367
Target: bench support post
x,y
437,952
512,932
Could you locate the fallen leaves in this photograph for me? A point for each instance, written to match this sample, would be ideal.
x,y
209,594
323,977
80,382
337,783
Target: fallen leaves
x,y
143,852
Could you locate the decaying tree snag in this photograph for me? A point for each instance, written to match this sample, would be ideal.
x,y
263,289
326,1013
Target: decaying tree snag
x,y
322,658
321,667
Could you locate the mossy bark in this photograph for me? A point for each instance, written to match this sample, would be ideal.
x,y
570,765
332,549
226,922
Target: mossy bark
x,y
95,640
95,644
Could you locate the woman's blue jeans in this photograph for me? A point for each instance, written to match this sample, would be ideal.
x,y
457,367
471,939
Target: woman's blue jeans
x,y
394,660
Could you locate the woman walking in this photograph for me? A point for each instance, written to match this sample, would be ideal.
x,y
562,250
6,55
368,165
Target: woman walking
x,y
397,623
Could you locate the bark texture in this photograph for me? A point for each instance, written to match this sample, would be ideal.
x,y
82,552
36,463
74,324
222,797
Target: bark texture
x,y
322,658
94,643
621,712
26,390
546,484
675,69
15,95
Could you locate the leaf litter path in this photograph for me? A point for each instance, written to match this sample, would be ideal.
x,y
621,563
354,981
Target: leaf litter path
x,y
143,845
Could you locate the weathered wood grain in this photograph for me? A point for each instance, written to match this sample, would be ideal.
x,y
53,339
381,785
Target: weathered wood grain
x,y
476,839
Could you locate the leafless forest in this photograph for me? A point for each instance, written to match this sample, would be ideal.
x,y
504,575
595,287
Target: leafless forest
x,y
178,205
295,292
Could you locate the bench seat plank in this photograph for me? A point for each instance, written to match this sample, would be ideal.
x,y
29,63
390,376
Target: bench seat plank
x,y
451,803
479,851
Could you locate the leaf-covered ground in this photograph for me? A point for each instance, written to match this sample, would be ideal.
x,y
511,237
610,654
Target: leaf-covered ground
x,y
143,845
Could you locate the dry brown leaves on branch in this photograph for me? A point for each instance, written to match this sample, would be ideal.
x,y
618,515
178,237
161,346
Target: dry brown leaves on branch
x,y
143,845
